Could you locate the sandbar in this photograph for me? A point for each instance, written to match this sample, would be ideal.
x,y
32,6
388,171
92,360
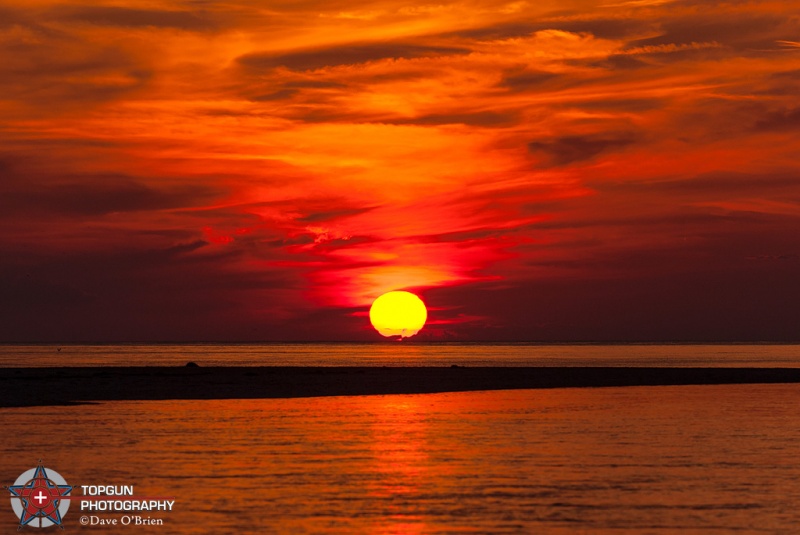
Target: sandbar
x,y
21,387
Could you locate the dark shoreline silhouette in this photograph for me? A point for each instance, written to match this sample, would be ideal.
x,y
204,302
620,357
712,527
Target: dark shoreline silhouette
x,y
20,387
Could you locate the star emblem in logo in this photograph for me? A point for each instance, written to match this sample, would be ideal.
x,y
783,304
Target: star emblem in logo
x,y
40,497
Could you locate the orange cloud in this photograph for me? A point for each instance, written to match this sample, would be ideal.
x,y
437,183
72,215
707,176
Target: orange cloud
x,y
269,164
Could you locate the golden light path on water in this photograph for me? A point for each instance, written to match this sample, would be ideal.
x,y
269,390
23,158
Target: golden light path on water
x,y
645,459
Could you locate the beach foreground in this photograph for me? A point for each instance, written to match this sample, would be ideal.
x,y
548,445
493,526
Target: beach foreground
x,y
21,387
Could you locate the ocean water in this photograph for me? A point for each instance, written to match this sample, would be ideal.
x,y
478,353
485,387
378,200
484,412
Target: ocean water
x,y
638,460
401,354
654,460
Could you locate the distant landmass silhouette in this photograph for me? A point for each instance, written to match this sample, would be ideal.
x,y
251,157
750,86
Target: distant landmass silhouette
x,y
67,385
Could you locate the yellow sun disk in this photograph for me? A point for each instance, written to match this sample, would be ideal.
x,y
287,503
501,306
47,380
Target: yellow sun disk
x,y
398,314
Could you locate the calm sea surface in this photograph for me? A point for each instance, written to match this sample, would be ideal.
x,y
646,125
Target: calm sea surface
x,y
400,354
637,460
686,459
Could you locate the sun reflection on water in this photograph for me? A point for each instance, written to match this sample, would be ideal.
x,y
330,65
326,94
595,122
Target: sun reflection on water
x,y
556,461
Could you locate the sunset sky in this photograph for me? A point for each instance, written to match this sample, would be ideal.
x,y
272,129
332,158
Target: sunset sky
x,y
534,170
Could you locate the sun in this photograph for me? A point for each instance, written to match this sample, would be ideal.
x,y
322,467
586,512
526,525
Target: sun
x,y
398,313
